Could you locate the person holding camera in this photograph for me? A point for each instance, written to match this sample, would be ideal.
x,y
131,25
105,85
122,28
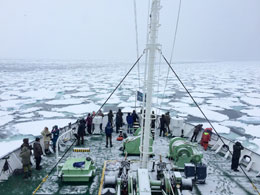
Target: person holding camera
x,y
46,138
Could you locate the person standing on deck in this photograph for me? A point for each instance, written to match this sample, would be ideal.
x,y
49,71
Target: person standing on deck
x,y
119,120
205,140
55,134
196,131
37,152
100,113
89,123
130,122
153,118
26,158
135,116
108,131
46,138
162,125
167,121
110,116
81,132
237,147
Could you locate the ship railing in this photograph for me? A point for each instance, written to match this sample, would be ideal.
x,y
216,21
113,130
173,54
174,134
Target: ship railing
x,y
13,157
249,158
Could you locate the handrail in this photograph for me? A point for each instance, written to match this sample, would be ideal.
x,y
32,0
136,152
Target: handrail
x,y
57,146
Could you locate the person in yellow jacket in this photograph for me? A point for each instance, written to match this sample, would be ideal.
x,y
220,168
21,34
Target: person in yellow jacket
x,y
46,138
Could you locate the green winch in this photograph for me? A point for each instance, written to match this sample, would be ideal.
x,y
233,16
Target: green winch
x,y
182,151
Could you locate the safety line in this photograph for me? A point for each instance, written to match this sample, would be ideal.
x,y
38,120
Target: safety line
x,y
172,52
120,82
254,187
46,177
137,44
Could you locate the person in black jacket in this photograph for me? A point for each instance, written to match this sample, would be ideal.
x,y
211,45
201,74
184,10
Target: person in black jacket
x,y
196,131
110,116
237,147
162,125
119,120
135,116
81,131
108,131
37,151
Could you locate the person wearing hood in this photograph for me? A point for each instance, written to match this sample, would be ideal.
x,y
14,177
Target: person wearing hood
x,y
26,158
37,151
108,131
46,138
237,147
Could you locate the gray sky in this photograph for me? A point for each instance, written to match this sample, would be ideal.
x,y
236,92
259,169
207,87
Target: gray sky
x,y
104,29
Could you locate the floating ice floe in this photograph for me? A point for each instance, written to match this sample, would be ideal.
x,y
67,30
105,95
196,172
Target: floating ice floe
x,y
251,101
30,110
39,94
5,119
248,119
226,103
257,142
35,127
66,101
202,95
253,95
255,112
83,94
8,146
29,115
211,115
253,130
47,114
15,104
79,109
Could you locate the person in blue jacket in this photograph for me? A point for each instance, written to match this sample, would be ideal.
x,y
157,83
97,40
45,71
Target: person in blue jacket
x,y
55,134
108,131
130,121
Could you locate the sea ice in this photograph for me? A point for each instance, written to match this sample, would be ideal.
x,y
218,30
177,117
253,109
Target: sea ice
x,y
83,94
79,109
194,111
251,101
5,119
35,127
39,94
66,101
255,112
47,114
8,146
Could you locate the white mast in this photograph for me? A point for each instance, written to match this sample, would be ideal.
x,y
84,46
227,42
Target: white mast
x,y
151,51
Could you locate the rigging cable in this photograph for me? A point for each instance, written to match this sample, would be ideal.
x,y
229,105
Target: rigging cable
x,y
137,44
173,47
254,187
46,177
121,81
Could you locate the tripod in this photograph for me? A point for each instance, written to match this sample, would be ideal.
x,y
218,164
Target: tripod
x,y
6,168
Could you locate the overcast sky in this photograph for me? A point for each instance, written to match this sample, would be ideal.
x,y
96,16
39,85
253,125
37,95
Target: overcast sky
x,y
209,30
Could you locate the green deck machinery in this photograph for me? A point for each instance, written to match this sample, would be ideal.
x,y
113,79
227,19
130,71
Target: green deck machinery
x,y
79,169
182,151
131,144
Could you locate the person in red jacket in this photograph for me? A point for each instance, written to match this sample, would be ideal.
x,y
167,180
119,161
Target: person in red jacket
x,y
205,140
